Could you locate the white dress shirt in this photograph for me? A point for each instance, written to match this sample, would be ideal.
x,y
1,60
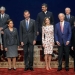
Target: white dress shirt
x,y
62,24
28,20
2,15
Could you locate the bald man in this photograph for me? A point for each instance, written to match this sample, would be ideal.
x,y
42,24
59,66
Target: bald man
x,y
62,38
69,18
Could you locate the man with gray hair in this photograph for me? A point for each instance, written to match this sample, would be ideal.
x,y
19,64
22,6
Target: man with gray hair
x,y
69,18
62,38
3,23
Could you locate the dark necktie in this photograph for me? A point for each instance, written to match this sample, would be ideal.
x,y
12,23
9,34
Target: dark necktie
x,y
68,17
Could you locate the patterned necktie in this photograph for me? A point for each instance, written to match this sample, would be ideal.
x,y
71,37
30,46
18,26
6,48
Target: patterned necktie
x,y
61,26
27,25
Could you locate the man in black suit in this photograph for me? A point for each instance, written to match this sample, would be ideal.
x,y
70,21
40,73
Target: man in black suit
x,y
39,21
3,24
28,37
70,19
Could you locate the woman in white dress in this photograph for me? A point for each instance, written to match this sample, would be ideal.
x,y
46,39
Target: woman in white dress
x,y
47,41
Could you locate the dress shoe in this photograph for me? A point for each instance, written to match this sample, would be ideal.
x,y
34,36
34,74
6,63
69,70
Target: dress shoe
x,y
67,69
31,69
26,69
74,69
9,68
59,69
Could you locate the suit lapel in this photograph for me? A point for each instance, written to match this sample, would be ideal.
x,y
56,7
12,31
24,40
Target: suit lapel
x,y
29,24
24,23
59,27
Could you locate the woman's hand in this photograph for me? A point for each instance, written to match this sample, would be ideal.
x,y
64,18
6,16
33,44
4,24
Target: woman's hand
x,y
72,47
44,45
1,47
6,49
18,47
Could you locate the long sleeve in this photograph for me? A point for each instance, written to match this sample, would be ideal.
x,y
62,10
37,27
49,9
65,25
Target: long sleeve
x,y
53,35
5,38
43,33
52,19
70,33
17,38
56,33
37,22
0,38
5,26
21,32
35,31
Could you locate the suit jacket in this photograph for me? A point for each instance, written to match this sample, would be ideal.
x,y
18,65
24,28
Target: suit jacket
x,y
73,37
40,19
11,38
65,36
30,34
3,22
71,20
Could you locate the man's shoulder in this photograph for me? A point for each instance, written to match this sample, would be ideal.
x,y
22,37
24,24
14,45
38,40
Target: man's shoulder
x,y
49,12
6,15
22,21
32,20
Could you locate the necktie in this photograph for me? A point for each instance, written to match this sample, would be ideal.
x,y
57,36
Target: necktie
x,y
27,25
68,17
2,17
61,26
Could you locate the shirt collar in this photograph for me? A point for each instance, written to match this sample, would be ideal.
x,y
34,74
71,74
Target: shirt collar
x,y
45,12
27,20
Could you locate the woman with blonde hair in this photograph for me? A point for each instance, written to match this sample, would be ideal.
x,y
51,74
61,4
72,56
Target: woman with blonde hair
x,y
47,41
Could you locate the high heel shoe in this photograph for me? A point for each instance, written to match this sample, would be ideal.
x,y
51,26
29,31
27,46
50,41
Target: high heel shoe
x,y
14,68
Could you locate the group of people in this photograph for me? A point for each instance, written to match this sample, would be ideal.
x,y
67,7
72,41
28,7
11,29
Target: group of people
x,y
63,33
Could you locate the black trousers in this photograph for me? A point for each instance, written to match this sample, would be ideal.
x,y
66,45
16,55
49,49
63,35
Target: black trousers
x,y
60,55
28,55
74,57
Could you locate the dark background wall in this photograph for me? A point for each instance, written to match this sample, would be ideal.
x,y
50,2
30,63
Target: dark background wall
x,y
15,8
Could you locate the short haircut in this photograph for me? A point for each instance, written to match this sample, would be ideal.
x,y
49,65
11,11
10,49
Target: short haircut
x,y
44,4
62,14
2,8
26,11
9,21
67,8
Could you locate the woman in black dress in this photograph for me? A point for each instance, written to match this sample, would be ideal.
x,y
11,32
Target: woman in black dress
x,y
11,44
73,42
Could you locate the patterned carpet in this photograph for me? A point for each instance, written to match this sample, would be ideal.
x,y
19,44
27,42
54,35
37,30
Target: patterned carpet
x,y
37,71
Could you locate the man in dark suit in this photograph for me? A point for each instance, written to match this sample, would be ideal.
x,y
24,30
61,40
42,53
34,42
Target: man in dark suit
x,y
28,37
3,24
69,18
40,18
62,38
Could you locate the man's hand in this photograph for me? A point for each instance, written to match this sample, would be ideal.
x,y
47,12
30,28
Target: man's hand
x,y
43,45
1,47
58,43
1,28
67,43
22,44
37,33
34,42
6,49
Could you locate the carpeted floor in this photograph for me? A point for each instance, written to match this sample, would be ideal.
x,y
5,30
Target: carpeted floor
x,y
37,71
